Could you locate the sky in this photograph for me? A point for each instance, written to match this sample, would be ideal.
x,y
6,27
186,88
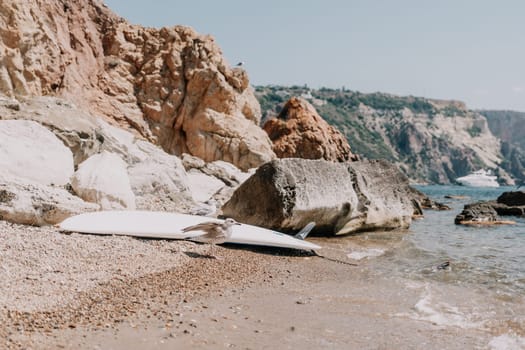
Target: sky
x,y
468,50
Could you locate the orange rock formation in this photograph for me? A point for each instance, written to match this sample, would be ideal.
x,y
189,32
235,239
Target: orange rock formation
x,y
299,132
170,85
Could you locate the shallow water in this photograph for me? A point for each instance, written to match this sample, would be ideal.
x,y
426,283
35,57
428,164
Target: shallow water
x,y
492,256
483,288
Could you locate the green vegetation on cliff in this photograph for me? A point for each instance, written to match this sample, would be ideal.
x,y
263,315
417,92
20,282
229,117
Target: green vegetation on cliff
x,y
361,139
432,141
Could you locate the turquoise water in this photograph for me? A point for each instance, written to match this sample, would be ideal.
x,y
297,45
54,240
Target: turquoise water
x,y
492,256
482,292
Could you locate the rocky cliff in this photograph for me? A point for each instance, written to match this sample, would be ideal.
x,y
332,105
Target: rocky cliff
x,y
171,85
509,126
299,132
431,141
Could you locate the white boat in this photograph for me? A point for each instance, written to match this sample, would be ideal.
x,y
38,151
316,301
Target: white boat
x,y
479,178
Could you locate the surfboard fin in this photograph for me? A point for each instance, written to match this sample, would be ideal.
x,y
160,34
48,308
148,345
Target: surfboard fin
x,y
305,231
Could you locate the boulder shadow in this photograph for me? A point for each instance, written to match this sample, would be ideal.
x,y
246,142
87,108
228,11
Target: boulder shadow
x,y
199,256
276,251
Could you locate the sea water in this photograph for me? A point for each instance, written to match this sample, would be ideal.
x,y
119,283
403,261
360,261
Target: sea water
x,y
482,288
492,256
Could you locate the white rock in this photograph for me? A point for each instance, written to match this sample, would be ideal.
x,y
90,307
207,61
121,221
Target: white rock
x,y
29,151
212,183
160,174
125,144
224,170
77,129
155,176
103,179
203,186
121,142
37,204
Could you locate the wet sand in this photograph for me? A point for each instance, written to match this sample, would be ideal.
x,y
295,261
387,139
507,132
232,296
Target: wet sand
x,y
92,292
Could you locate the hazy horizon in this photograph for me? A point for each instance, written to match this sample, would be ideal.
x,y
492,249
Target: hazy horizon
x,y
468,51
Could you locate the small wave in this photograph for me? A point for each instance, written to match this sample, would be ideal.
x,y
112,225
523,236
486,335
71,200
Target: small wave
x,y
367,253
440,313
507,342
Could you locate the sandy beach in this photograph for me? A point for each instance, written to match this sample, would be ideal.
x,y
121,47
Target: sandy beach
x,y
96,292
360,118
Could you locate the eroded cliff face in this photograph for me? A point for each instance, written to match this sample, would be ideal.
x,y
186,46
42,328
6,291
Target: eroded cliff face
x,y
170,85
435,146
509,126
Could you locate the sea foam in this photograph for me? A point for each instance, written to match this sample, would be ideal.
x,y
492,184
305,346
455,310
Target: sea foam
x,y
440,313
366,253
507,342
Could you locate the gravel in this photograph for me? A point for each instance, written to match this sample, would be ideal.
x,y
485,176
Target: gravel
x,y
51,280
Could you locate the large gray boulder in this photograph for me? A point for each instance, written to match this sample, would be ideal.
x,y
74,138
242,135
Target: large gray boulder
x,y
286,194
30,151
37,204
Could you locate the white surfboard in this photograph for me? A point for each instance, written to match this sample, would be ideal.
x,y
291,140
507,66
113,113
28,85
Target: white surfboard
x,y
165,225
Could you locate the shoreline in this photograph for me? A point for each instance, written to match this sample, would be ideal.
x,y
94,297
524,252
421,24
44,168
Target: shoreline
x,y
174,296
